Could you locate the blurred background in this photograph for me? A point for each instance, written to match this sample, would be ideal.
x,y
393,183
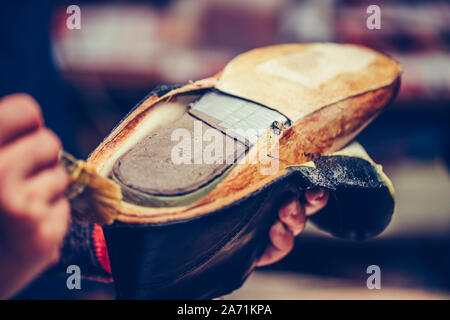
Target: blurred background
x,y
124,49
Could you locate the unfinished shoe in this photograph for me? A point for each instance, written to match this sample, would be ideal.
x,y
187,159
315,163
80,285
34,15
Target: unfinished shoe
x,y
204,167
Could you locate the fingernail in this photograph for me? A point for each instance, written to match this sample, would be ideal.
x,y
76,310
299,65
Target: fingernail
x,y
318,194
293,208
281,229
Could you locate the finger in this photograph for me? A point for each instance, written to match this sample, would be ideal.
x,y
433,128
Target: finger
x,y
34,152
49,184
59,213
282,242
55,226
316,199
57,219
19,115
293,216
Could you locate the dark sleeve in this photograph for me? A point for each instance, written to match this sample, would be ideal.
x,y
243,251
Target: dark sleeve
x,y
27,65
84,246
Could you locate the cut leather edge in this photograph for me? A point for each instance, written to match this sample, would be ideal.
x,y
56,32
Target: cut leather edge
x,y
130,213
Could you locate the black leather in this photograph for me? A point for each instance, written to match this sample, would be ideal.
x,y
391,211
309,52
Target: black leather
x,y
212,255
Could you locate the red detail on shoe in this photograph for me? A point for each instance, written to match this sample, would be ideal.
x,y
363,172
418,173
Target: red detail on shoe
x,y
101,251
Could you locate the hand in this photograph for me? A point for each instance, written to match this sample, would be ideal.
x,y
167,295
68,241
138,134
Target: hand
x,y
34,213
291,223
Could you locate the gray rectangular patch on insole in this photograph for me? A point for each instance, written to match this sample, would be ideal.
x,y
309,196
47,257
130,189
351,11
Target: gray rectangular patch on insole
x,y
236,117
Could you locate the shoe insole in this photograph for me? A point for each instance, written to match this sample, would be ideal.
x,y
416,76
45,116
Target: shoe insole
x,y
150,166
217,130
